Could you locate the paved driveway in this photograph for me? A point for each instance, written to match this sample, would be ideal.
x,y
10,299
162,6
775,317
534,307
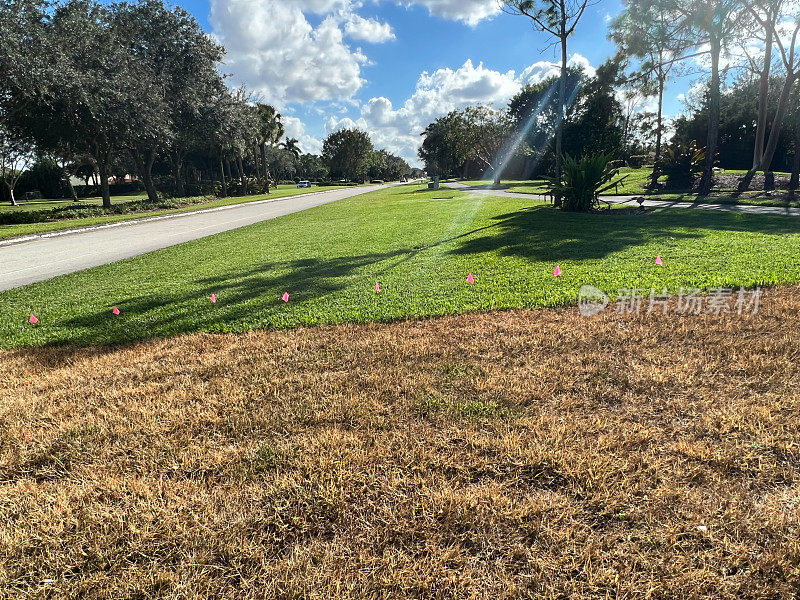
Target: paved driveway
x,y
57,253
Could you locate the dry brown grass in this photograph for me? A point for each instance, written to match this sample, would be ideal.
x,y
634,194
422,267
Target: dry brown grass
x,y
514,454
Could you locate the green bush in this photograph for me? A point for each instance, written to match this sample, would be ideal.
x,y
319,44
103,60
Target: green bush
x,y
82,211
682,165
637,161
583,180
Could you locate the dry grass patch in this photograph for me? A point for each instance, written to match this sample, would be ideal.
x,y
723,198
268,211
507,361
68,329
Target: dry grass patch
x,y
501,455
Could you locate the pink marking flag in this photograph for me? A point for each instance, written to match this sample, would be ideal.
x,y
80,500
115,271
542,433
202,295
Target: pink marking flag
x,y
115,310
378,287
557,272
470,278
285,296
213,298
658,260
33,320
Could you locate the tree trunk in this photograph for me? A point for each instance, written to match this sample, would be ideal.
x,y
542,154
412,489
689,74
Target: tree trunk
x,y
102,166
145,168
10,193
68,179
794,180
562,96
713,120
763,102
659,128
222,173
241,174
777,122
177,168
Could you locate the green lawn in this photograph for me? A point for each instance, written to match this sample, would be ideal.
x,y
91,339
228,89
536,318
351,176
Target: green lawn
x,y
9,231
420,246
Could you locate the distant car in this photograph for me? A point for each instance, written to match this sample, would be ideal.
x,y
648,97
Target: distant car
x,y
304,184
377,181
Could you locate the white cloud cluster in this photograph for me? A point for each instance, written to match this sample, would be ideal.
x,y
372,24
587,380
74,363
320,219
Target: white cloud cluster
x,y
275,50
369,30
398,129
470,12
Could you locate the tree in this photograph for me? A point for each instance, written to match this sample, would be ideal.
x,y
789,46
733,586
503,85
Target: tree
x,y
559,18
649,31
291,146
791,64
446,146
15,156
714,20
174,55
737,126
534,111
312,167
594,124
489,134
270,131
347,153
25,66
765,14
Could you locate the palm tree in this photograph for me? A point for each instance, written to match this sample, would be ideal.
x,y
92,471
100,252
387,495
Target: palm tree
x,y
270,130
290,145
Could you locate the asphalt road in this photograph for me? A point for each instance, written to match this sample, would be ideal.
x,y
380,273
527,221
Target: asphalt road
x,y
48,255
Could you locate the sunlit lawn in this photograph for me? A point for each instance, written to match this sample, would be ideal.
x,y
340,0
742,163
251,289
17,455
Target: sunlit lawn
x,y
420,246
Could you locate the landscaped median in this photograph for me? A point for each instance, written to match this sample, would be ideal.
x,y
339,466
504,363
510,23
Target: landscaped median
x,y
419,246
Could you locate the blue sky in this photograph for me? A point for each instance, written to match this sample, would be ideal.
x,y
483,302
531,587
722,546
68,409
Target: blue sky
x,y
390,66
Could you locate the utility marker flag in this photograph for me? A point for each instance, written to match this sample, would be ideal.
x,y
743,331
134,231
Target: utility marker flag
x,y
33,320
213,298
470,278
378,287
557,272
658,260
115,310
285,296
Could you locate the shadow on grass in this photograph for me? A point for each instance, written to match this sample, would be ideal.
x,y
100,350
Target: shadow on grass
x,y
543,234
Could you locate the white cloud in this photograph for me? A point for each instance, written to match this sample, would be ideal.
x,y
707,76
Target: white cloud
x,y
398,129
276,52
539,71
273,48
368,30
470,12
295,128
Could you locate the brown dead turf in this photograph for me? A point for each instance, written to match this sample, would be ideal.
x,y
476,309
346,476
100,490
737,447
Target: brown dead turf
x,y
511,454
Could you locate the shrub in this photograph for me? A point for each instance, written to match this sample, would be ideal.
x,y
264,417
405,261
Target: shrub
x,y
637,161
682,165
583,180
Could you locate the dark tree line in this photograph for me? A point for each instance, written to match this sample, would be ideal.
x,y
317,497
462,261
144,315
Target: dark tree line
x,y
100,91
